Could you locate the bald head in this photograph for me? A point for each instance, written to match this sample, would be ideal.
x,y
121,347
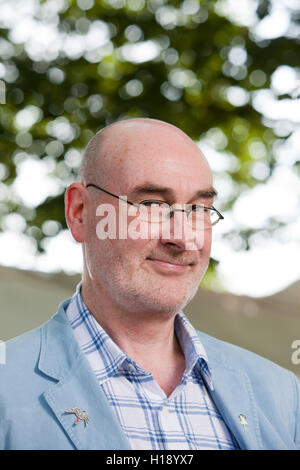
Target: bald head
x,y
142,160
115,138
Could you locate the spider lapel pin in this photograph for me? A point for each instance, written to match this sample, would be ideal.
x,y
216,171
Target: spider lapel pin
x,y
80,415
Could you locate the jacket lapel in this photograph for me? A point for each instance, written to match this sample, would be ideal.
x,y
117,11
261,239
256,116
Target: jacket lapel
x,y
233,395
234,399
77,387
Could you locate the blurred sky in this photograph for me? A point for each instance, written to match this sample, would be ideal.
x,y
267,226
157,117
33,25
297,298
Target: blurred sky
x,y
272,263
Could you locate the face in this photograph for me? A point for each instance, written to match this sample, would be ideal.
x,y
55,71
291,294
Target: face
x,y
154,274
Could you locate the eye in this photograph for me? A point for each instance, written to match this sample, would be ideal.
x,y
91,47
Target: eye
x,y
198,208
154,211
154,203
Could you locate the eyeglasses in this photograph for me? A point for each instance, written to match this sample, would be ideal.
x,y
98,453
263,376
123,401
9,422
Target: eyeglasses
x,y
155,211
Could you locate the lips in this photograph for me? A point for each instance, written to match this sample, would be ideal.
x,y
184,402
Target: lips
x,y
184,263
169,262
167,265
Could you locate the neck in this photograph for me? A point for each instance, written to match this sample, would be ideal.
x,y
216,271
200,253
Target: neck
x,y
146,337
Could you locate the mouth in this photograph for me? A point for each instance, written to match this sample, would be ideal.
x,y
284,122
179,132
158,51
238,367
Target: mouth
x,y
166,266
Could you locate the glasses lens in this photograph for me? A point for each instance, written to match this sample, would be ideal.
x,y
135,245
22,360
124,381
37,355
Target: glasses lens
x,y
154,212
214,217
158,212
202,218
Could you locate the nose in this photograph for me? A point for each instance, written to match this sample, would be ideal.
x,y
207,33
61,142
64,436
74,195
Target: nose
x,y
180,235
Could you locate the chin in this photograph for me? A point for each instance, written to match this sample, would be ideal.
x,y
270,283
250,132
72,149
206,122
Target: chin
x,y
171,304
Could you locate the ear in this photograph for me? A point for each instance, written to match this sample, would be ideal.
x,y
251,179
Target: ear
x,y
75,202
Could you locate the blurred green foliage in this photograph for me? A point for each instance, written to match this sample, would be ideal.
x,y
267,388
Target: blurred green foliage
x,y
199,55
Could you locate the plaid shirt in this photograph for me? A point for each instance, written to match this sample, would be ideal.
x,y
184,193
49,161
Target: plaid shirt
x,y
187,419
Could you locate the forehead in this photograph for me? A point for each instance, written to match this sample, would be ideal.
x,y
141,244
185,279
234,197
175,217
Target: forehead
x,y
162,155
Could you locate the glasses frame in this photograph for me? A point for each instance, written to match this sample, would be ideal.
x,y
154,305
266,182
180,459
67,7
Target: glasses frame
x,y
187,211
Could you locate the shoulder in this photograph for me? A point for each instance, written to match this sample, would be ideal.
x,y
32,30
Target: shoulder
x,y
237,357
262,373
19,372
20,351
273,390
21,378
23,351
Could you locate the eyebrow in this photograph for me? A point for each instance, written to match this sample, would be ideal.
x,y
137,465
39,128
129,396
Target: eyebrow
x,y
150,188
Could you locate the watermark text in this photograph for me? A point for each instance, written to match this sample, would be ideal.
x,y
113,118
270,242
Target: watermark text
x,y
2,352
139,222
295,358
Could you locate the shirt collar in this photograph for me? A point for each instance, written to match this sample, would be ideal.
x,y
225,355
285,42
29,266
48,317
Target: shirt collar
x,y
111,359
195,354
103,353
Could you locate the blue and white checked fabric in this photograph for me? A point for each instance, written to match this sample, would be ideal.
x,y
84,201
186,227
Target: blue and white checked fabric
x,y
187,419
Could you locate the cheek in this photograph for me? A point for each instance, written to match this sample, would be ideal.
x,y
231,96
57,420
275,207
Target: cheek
x,y
138,230
207,240
198,241
128,252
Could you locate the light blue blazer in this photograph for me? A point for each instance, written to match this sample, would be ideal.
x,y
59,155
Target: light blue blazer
x,y
46,373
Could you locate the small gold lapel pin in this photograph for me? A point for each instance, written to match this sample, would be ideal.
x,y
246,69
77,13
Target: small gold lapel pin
x,y
243,421
80,415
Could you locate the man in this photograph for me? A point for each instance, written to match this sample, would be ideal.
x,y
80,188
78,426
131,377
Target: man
x,y
119,366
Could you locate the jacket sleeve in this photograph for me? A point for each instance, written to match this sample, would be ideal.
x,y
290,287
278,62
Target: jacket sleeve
x,y
4,427
297,410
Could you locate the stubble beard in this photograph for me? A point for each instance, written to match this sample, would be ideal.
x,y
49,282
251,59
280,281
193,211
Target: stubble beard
x,y
142,294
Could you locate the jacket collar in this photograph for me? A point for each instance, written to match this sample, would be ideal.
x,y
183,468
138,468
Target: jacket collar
x,y
233,395
77,386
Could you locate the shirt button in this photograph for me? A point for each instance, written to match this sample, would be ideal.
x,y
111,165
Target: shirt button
x,y
165,411
132,367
